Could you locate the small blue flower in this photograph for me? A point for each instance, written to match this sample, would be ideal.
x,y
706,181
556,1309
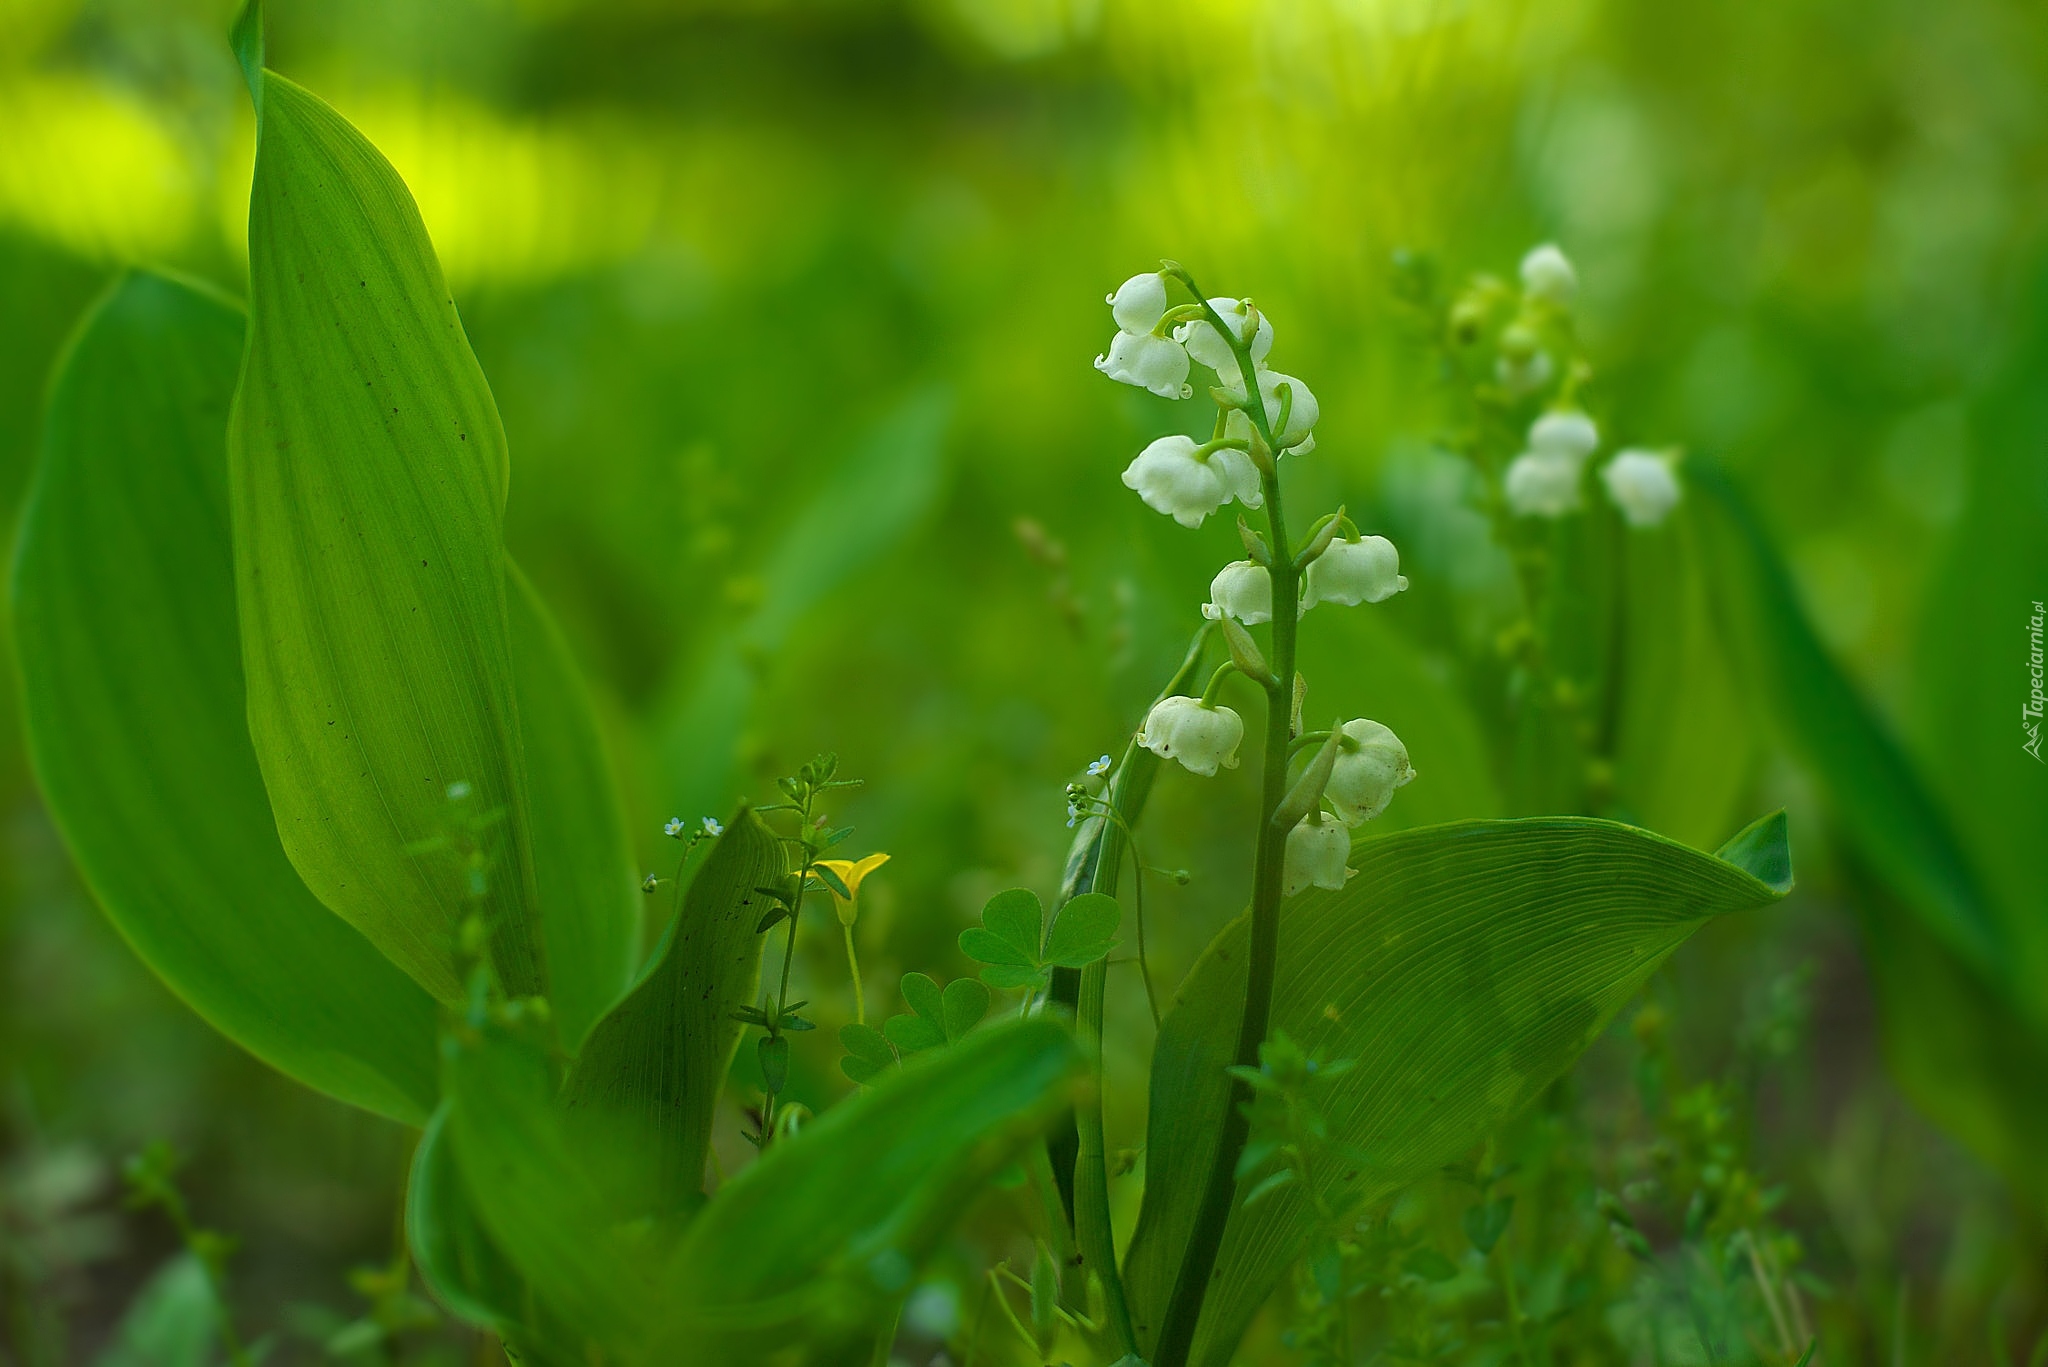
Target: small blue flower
x,y
712,828
674,829
1100,767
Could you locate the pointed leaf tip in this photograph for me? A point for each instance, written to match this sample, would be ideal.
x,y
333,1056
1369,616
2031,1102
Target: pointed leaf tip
x,y
246,37
1763,849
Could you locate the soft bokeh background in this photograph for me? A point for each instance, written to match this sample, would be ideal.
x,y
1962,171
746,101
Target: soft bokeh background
x,y
789,304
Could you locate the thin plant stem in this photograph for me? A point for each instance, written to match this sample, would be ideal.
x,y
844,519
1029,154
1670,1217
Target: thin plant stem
x,y
860,1004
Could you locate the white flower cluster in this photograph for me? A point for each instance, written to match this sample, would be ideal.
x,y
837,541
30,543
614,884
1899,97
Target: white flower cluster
x,y
1371,763
1352,570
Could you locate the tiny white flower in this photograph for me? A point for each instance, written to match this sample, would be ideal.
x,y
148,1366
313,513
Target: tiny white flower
x,y
1643,485
1523,374
1155,363
1208,346
1239,475
1243,589
1547,273
712,828
1139,303
673,829
1363,780
1565,433
458,790
1173,480
1367,570
1197,734
1541,484
1101,767
1316,851
1302,411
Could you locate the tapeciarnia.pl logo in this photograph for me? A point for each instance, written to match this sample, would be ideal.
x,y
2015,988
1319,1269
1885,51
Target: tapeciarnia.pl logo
x,y
2030,714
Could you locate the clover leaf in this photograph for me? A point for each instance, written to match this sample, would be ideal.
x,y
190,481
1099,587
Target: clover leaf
x,y
1014,950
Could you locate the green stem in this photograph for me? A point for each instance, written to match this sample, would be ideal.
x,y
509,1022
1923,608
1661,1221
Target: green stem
x,y
1507,1283
1198,1262
860,1004
1091,1171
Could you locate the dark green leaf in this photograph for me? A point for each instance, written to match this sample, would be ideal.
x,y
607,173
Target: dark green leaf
x,y
923,996
1429,1265
1487,1221
1084,931
773,1053
867,1052
831,880
1464,968
124,624
659,1060
367,477
962,1006
913,1034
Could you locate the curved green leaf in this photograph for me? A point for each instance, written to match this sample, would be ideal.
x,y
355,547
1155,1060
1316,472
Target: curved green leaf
x,y
658,1062
1463,969
582,861
367,472
454,1253
124,612
807,1253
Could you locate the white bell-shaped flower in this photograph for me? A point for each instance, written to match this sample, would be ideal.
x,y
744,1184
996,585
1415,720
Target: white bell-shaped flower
x,y
1208,346
1159,364
1547,273
1242,590
1316,851
1173,480
1365,570
1200,735
1139,303
1565,433
1542,484
1240,476
1298,433
1363,780
1643,485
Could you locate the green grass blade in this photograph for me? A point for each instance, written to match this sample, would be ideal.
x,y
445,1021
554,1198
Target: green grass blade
x,y
810,1250
367,471
124,613
658,1062
1463,969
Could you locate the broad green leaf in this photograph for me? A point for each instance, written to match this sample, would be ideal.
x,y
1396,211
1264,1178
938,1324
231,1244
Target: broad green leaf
x,y
456,1258
367,477
582,863
124,619
557,1202
658,1062
1462,970
807,1253
174,1321
1084,931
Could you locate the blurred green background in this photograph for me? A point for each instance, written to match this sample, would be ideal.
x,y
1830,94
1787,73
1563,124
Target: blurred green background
x,y
788,306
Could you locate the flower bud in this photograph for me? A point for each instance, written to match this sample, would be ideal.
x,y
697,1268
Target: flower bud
x,y
1565,433
1173,480
1242,590
1197,734
1367,570
1643,485
1302,411
1366,774
1541,484
1547,274
1155,363
1208,346
1316,851
1139,303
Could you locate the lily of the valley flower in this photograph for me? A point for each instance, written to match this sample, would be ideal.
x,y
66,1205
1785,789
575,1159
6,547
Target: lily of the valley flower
x,y
851,872
1155,363
1547,273
1371,763
1567,432
1643,485
1139,303
1243,590
1202,736
1542,484
1176,477
1364,570
1316,851
1208,346
1298,433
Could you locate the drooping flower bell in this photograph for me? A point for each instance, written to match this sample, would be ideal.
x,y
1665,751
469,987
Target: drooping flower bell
x,y
1139,303
1643,485
1548,274
1316,851
1155,363
1208,346
1542,484
1566,432
1371,763
1364,570
1297,434
1202,736
1242,590
1173,479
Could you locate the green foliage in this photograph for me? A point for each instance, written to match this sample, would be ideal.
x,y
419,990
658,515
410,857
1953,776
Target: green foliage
x,y
1463,969
936,1018
1017,950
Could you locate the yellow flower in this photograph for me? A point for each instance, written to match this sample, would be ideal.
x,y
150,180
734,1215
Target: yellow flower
x,y
851,872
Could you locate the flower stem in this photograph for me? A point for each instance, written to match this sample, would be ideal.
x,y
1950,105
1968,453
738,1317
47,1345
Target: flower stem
x,y
1205,1240
860,1004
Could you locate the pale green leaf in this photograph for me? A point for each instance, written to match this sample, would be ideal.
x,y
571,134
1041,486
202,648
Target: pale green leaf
x,y
124,620
174,1321
1463,969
